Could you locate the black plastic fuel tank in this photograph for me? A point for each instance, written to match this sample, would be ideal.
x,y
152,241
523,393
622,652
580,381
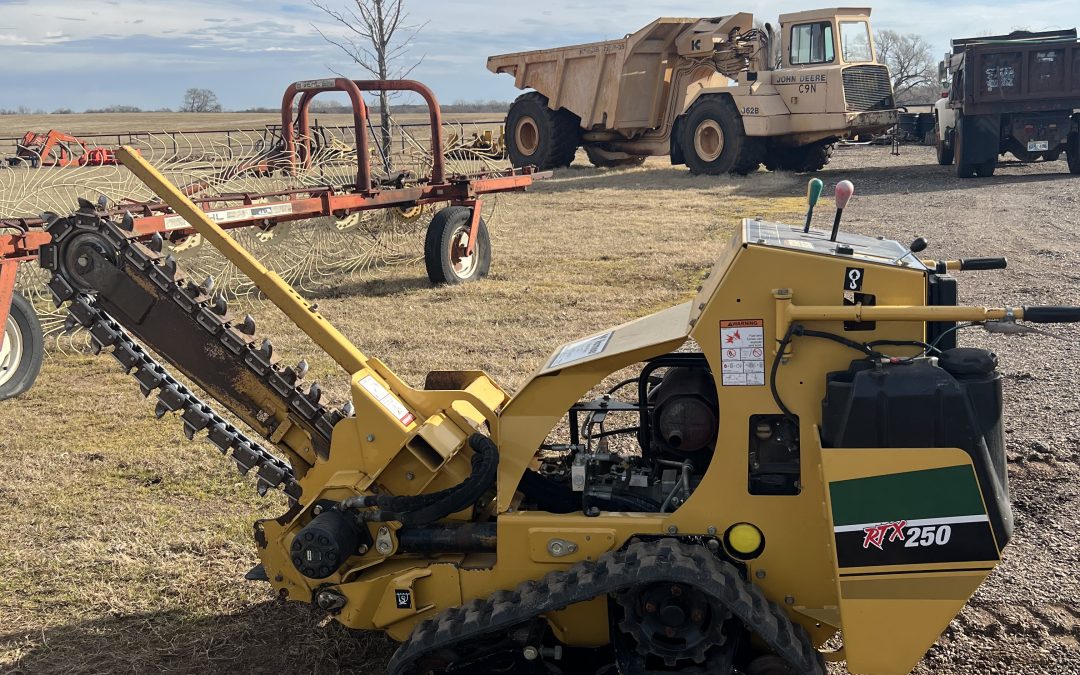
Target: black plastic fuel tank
x,y
955,402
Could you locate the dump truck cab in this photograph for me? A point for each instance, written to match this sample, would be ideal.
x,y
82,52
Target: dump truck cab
x,y
825,83
717,94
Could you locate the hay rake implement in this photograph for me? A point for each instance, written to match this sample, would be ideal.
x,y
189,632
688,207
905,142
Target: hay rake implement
x,y
316,202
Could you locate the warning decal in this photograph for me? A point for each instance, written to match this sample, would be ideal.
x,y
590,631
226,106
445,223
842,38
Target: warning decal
x,y
388,400
742,352
582,349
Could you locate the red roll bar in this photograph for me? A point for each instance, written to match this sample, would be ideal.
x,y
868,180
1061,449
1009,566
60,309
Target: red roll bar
x,y
353,88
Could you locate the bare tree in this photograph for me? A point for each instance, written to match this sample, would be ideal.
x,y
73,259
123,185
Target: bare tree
x,y
377,39
200,101
909,60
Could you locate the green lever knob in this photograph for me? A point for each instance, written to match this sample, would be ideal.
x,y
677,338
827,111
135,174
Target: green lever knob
x,y
813,191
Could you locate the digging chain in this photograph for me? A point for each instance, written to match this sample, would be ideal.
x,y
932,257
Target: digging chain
x,y
208,311
663,561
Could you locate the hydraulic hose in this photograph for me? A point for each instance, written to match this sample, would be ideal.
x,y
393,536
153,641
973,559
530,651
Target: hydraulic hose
x,y
412,510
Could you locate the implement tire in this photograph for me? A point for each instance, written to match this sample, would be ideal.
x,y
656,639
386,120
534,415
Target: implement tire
x,y
447,237
538,136
713,140
23,348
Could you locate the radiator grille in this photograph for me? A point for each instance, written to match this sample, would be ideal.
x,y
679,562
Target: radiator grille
x,y
867,88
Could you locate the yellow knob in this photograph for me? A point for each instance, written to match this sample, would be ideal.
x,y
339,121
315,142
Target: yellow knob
x,y
744,539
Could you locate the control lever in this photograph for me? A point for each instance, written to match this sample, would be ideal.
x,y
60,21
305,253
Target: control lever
x,y
967,264
813,191
1052,314
917,246
844,190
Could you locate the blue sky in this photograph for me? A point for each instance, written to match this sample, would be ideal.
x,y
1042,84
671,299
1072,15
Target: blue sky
x,y
95,53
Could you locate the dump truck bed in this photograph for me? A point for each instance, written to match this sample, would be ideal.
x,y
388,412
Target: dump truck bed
x,y
611,84
1021,72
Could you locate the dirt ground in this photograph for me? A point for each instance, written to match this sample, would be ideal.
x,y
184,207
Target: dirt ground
x,y
125,545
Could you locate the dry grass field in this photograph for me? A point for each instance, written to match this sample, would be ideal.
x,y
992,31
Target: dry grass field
x,y
124,545
96,123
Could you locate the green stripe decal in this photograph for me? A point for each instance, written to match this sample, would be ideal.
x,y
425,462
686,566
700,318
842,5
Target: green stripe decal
x,y
931,493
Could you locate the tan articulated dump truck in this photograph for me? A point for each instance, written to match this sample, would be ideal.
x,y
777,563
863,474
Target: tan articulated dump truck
x,y
716,94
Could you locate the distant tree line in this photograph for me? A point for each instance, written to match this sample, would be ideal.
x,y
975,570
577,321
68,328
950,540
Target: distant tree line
x,y
318,107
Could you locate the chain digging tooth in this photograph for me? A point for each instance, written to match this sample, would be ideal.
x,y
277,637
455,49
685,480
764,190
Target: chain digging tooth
x,y
314,393
103,333
86,206
347,410
293,490
271,475
248,325
301,369
196,418
222,436
246,458
71,325
156,243
219,306
149,378
267,348
61,290
128,355
170,266
207,285
127,223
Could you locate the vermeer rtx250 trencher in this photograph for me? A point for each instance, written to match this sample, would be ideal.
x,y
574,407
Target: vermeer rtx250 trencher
x,y
829,461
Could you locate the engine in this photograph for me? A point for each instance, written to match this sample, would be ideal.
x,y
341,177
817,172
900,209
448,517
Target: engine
x,y
651,466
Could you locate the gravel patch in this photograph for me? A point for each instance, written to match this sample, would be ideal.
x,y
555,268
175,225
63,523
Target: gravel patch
x,y
1026,617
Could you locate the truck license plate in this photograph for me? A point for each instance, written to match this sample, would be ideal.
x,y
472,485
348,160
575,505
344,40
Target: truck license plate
x,y
1038,146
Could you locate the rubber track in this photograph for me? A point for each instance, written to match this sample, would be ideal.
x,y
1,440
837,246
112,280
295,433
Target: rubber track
x,y
173,396
663,561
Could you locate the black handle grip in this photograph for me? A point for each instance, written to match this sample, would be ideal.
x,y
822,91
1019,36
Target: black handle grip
x,y
983,263
1052,314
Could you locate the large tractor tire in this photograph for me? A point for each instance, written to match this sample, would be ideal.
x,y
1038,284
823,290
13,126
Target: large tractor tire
x,y
1072,153
713,140
963,170
608,159
23,348
539,136
446,243
943,146
986,169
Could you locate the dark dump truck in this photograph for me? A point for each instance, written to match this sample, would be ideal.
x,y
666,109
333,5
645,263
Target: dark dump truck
x,y
1016,93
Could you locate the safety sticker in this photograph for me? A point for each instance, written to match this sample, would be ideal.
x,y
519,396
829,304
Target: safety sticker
x,y
582,349
403,598
387,400
233,215
742,352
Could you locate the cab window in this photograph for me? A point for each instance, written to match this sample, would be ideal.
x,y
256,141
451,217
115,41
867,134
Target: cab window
x,y
855,41
811,43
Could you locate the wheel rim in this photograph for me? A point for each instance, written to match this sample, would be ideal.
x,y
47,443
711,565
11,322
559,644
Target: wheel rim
x,y
11,353
463,265
709,140
410,212
527,135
